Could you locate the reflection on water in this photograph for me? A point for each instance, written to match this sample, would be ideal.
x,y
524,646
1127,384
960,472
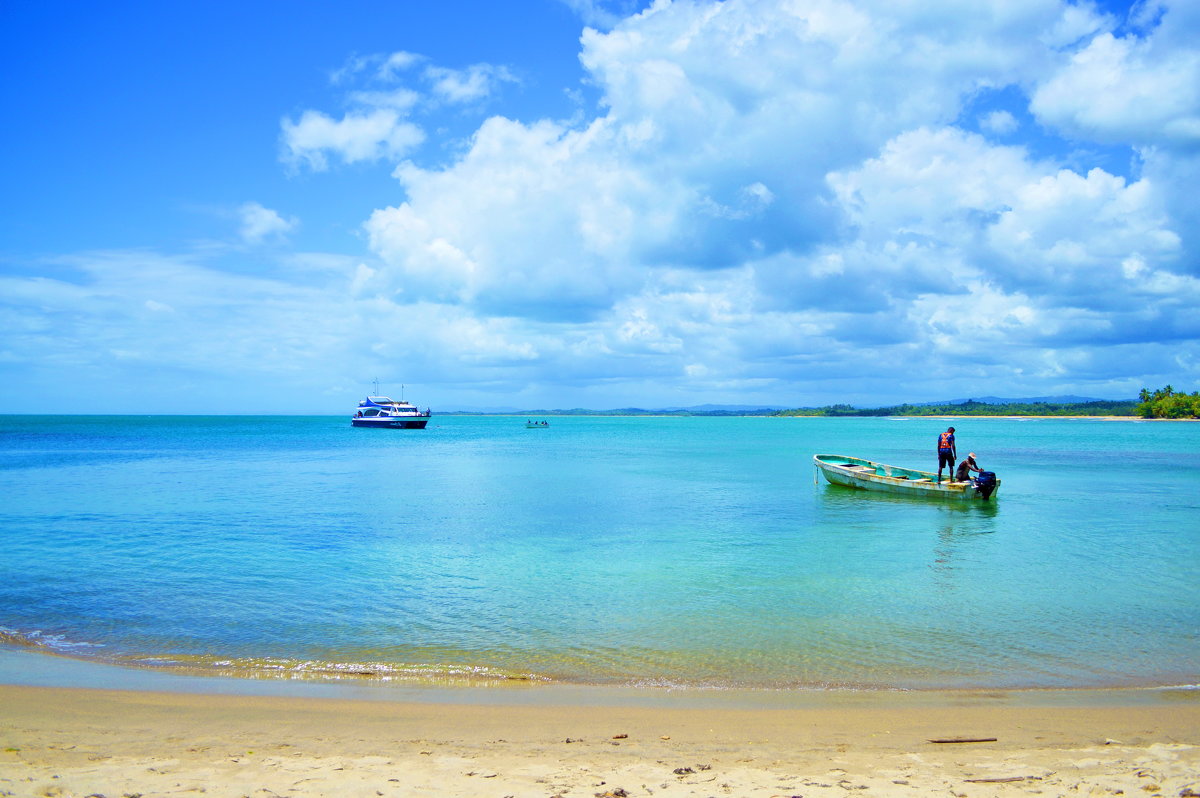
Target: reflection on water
x,y
842,494
951,541
956,524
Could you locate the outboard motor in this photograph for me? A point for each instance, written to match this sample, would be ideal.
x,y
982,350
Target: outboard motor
x,y
985,484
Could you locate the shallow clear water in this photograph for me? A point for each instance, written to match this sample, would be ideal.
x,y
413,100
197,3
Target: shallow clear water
x,y
680,551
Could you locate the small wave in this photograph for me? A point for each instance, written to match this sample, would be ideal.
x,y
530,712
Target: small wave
x,y
43,640
432,674
319,670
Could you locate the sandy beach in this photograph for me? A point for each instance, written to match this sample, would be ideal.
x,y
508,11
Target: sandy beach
x,y
86,742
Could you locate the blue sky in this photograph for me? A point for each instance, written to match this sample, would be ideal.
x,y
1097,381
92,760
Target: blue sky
x,y
217,207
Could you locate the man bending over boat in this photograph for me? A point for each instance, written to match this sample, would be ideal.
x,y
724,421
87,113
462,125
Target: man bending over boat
x,y
947,454
966,467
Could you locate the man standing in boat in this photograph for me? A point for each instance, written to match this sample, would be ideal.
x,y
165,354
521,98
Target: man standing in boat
x,y
947,454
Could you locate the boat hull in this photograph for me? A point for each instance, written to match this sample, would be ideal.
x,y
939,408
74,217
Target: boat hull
x,y
853,472
415,422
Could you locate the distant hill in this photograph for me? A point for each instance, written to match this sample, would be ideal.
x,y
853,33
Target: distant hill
x,y
997,400
723,408
983,405
696,410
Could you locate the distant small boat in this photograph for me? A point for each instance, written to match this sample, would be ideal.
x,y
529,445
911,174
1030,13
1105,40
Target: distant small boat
x,y
868,475
536,424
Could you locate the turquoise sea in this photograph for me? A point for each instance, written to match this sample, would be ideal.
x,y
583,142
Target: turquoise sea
x,y
689,552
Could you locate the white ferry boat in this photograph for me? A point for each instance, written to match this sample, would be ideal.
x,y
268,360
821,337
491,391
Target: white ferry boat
x,y
380,411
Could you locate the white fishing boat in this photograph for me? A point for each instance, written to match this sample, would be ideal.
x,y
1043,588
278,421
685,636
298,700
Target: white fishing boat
x,y
854,472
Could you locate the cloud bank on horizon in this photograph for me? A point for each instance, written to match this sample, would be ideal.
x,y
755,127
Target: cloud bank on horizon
x,y
776,201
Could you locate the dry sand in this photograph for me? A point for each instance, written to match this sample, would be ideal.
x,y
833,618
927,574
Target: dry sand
x,y
83,742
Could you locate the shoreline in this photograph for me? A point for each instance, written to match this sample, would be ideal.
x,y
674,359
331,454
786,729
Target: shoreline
x,y
32,666
83,741
26,669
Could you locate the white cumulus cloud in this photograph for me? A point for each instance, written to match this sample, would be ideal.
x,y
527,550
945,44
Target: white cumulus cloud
x,y
357,136
259,224
1000,123
1129,89
774,189
476,82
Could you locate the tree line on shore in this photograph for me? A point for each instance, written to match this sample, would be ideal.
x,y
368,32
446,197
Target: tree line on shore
x,y
1166,403
973,408
1161,403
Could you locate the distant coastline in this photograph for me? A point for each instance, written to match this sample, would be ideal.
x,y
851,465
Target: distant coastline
x,y
971,407
1163,404
968,408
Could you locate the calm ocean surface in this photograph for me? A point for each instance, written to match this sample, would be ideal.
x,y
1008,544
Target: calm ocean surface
x,y
612,551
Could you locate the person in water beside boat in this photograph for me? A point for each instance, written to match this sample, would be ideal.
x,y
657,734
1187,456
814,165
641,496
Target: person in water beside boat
x,y
963,474
947,454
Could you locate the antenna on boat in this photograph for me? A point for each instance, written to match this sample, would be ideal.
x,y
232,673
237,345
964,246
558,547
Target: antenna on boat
x,y
375,382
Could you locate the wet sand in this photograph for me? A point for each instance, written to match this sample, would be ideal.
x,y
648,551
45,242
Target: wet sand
x,y
92,742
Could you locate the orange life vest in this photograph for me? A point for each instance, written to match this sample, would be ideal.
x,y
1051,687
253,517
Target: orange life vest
x,y
946,440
